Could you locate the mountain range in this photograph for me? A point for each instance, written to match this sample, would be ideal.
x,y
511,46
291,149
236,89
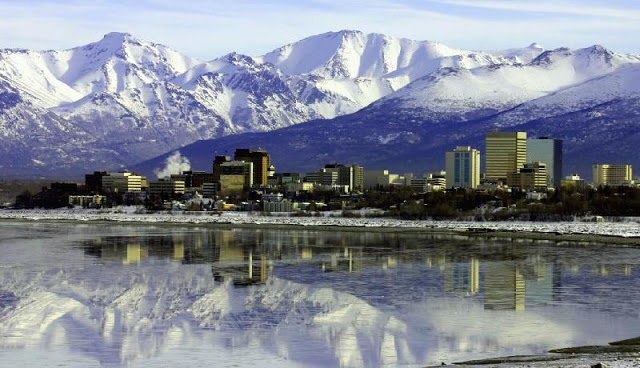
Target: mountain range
x,y
350,97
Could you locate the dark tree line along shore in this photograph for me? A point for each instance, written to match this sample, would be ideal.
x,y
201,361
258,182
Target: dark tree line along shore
x,y
562,204
566,203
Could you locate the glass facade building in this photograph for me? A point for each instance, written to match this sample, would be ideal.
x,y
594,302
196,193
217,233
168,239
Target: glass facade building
x,y
463,167
549,151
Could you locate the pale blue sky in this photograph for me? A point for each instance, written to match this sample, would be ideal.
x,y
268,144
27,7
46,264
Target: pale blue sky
x,y
209,29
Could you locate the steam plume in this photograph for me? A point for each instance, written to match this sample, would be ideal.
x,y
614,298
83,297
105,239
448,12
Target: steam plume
x,y
175,164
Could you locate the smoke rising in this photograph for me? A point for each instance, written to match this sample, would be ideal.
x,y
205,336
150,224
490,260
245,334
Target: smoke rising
x,y
175,164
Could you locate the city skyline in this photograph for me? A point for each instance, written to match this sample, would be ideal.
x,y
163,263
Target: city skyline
x,y
208,30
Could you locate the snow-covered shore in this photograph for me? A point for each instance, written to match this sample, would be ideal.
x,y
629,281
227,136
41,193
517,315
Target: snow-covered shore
x,y
629,228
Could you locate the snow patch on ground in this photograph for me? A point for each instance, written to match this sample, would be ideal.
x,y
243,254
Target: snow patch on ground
x,y
627,228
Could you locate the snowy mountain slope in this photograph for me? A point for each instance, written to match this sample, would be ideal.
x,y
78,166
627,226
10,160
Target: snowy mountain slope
x,y
250,95
621,84
353,54
122,101
590,98
117,62
229,95
504,86
121,94
341,72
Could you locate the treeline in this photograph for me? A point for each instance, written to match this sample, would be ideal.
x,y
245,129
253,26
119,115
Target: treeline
x,y
405,202
562,204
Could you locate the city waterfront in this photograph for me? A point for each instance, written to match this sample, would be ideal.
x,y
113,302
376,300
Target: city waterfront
x,y
96,294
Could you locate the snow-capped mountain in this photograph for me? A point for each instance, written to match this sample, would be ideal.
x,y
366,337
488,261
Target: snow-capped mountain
x,y
341,72
121,101
114,64
588,97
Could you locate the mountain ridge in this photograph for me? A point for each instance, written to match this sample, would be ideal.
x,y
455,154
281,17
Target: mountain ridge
x,y
121,101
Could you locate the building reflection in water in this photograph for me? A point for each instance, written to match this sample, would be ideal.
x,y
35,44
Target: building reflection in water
x,y
505,276
135,253
241,263
462,276
504,286
131,250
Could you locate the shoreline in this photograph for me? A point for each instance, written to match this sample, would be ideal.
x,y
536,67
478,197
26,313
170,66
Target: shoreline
x,y
620,353
611,233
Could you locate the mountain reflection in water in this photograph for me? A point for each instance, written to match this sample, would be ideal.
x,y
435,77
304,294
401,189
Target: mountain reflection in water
x,y
114,294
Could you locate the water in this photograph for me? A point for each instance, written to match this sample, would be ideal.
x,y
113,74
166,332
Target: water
x,y
85,295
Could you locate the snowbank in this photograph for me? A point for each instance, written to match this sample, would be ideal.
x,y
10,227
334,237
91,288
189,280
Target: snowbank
x,y
630,228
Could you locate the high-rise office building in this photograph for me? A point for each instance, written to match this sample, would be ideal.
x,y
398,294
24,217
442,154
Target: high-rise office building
x,y
549,151
351,175
93,182
463,167
613,175
261,162
236,177
217,163
506,152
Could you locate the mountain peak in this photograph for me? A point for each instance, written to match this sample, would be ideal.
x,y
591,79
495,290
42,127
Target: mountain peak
x,y
548,56
113,42
535,46
598,50
343,33
118,37
235,58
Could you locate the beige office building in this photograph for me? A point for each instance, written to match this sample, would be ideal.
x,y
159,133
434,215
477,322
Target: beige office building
x,y
123,182
614,175
531,176
236,177
166,187
506,153
261,163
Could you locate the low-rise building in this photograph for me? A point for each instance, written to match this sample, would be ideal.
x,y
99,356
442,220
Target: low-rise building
x,y
613,175
299,187
123,182
166,188
282,179
271,197
93,201
93,182
209,190
531,176
280,206
193,179
572,181
322,177
380,178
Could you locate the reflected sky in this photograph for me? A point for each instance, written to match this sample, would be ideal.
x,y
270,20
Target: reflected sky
x,y
110,295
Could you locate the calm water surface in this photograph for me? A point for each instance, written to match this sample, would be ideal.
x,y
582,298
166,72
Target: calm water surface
x,y
112,295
